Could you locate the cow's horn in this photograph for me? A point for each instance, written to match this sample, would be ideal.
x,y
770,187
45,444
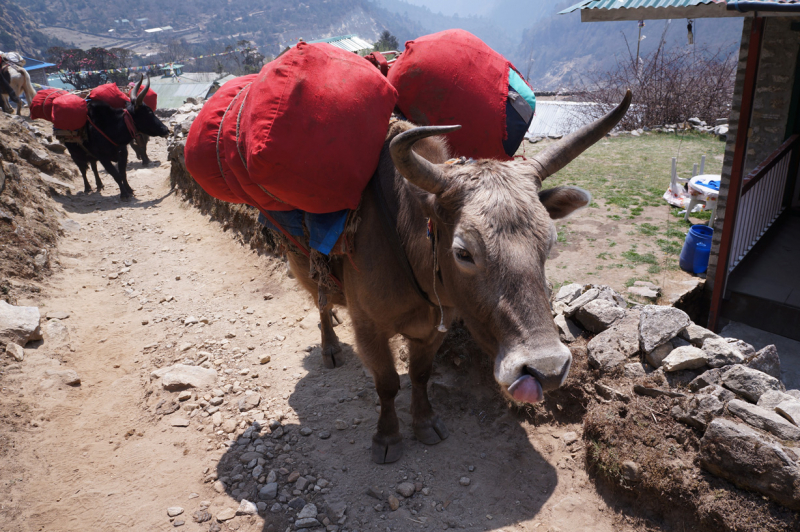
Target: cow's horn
x,y
140,95
559,155
135,90
416,169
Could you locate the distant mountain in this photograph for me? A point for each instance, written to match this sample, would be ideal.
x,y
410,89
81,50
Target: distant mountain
x,y
19,33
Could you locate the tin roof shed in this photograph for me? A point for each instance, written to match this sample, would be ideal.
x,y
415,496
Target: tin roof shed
x,y
351,43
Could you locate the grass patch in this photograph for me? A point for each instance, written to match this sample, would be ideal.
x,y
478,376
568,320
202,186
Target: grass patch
x,y
670,247
648,229
637,258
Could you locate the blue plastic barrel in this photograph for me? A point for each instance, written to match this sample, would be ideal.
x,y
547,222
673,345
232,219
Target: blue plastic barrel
x,y
697,234
701,253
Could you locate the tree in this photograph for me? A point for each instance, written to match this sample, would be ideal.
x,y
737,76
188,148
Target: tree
x,y
85,69
386,42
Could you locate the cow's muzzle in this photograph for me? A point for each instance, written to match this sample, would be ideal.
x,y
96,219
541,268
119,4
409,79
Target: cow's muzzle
x,y
526,377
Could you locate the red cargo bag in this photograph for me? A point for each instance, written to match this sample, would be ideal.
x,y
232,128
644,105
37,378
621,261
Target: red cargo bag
x,y
203,160
453,77
69,112
38,104
151,98
313,125
110,94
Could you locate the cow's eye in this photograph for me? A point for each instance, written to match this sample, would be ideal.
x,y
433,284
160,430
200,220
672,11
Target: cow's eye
x,y
464,256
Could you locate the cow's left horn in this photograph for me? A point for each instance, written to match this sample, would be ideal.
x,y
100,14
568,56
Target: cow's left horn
x,y
135,90
559,155
141,95
416,169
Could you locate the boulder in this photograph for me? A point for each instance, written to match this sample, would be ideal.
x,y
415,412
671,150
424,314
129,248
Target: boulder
x,y
645,291
246,508
180,376
767,361
764,419
67,376
15,351
634,370
743,347
613,347
19,324
689,357
250,400
660,324
696,335
790,410
656,357
589,295
721,353
710,377
568,293
698,411
609,294
751,461
55,333
749,383
773,398
598,315
569,332
268,492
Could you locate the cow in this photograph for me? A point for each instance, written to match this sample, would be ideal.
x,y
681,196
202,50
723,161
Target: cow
x,y
107,135
491,228
19,81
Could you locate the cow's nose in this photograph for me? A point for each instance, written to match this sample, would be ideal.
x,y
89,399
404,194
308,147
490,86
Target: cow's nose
x,y
551,371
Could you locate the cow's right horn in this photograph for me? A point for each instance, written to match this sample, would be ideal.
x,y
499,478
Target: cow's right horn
x,y
416,169
135,90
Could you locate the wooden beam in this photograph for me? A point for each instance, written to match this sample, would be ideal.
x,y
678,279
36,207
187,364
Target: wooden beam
x,y
737,170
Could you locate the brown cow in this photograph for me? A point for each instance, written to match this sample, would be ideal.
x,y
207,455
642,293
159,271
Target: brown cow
x,y
492,227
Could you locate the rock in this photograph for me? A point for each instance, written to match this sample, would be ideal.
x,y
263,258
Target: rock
x,y
790,410
219,487
302,483
340,424
721,353
264,359
309,522
598,315
609,393
794,393
306,431
766,361
15,351
178,522
631,471
743,347
180,376
764,419
226,515
57,315
185,395
659,324
216,419
656,357
406,489
568,293
201,516
250,400
464,481
712,376
19,324
568,330
67,376
751,461
309,510
613,347
324,435
55,333
247,508
268,492
179,422
644,291
749,383
584,298
769,400
689,357
229,426
634,370
698,411
719,392
173,511
570,437
394,503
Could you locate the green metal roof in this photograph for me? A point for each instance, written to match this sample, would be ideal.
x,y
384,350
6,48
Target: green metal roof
x,y
635,4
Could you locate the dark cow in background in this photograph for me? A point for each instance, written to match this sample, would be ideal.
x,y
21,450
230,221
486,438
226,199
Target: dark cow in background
x,y
491,226
108,133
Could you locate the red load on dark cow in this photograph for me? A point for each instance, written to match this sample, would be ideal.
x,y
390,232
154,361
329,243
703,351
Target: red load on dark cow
x,y
69,112
113,96
42,104
453,77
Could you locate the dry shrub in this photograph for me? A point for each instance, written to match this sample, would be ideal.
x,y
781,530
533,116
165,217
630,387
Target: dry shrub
x,y
669,86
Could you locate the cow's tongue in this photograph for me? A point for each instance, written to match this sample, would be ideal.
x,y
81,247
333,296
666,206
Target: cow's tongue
x,y
526,389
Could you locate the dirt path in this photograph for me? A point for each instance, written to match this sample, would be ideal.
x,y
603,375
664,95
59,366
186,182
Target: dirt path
x,y
109,455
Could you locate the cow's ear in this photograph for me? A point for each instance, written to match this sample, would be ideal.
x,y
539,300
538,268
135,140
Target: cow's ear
x,y
560,202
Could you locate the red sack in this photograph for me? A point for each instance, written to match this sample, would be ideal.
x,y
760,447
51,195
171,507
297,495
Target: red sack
x,y
453,77
69,112
151,98
200,152
313,125
110,94
38,104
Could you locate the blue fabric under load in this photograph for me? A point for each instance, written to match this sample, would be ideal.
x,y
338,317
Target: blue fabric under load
x,y
323,229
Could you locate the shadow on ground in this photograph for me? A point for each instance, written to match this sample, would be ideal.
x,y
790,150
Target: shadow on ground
x,y
487,475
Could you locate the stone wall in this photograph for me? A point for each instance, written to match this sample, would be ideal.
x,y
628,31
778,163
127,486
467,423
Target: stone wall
x,y
770,109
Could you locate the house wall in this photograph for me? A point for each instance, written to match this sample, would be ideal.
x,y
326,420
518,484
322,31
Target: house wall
x,y
775,79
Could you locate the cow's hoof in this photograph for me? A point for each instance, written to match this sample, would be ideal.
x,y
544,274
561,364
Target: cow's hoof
x,y
386,450
332,356
87,190
100,187
431,432
125,197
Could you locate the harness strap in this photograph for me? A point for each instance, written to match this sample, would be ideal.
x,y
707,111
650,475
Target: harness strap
x,y
101,132
390,229
130,124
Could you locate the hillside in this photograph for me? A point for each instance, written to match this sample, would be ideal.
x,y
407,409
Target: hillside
x,y
18,31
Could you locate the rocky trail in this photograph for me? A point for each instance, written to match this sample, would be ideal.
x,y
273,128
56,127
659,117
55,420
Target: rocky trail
x,y
180,384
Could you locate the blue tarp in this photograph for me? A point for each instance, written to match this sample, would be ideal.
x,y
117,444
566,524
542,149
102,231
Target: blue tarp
x,y
324,229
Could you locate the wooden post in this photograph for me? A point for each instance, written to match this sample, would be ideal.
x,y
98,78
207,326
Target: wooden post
x,y
737,170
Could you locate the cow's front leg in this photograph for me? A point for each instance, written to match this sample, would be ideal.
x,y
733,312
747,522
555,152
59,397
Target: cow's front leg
x,y
112,171
427,427
331,350
96,176
122,164
373,349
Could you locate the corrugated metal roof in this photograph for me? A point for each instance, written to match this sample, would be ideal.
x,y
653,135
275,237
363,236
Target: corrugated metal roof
x,y
634,4
172,94
560,118
351,43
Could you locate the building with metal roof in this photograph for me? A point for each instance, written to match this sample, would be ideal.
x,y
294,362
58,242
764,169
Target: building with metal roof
x,y
611,10
172,92
351,43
